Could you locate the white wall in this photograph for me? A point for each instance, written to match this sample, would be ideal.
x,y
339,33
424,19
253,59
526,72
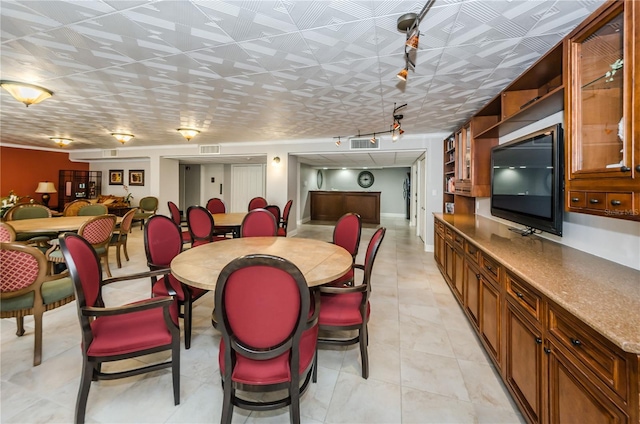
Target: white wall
x,y
208,188
614,239
308,182
137,192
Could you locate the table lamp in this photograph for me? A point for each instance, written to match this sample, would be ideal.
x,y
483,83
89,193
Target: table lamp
x,y
45,187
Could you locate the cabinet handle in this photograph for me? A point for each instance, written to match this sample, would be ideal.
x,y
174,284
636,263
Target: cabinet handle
x,y
575,199
488,267
625,169
547,350
576,342
520,295
594,201
637,168
616,202
478,276
539,340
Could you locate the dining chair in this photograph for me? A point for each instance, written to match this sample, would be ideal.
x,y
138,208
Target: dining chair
x,y
120,236
257,202
346,234
31,211
146,209
258,223
284,221
72,208
113,333
269,329
275,211
347,307
97,231
216,205
162,243
201,226
176,216
26,288
7,233
93,210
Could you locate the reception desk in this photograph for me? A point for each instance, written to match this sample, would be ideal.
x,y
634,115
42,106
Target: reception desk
x,y
331,205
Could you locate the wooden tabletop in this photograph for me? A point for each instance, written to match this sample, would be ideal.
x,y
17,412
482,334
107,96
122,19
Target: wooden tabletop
x,y
50,225
320,262
233,219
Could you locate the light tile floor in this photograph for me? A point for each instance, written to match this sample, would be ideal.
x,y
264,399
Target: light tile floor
x,y
427,365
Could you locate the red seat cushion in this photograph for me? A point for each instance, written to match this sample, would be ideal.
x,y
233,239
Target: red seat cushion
x,y
341,309
281,232
122,334
271,371
186,237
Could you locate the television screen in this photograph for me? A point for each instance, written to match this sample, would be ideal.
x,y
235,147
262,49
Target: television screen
x,y
527,180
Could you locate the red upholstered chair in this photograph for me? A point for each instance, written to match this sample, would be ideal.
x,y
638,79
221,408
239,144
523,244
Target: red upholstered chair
x,y
201,226
347,307
269,332
117,332
162,243
176,216
346,234
257,202
275,211
259,223
26,288
284,222
216,205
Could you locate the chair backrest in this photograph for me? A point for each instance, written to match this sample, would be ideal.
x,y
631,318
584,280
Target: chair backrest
x,y
275,211
162,241
257,202
346,233
263,304
22,269
27,211
372,252
201,225
285,213
258,223
7,233
98,230
93,210
72,208
127,220
175,212
148,204
216,205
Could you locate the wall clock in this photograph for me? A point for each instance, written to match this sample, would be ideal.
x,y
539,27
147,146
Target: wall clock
x,y
319,178
365,179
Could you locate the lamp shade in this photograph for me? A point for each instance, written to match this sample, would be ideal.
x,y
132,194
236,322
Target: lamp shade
x,y
28,94
188,133
122,137
46,187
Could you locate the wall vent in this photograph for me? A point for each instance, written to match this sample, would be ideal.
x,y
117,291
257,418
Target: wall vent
x,y
364,144
209,149
111,153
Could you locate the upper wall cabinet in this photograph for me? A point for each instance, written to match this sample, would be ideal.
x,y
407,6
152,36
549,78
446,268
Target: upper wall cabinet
x,y
601,114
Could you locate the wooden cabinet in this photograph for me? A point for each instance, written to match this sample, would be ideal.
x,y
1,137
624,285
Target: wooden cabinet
x,y
449,169
472,287
473,163
73,184
490,315
601,114
331,205
439,244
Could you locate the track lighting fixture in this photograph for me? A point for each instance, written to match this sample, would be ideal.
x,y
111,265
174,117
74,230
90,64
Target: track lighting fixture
x,y
413,41
373,139
338,142
410,23
403,74
395,129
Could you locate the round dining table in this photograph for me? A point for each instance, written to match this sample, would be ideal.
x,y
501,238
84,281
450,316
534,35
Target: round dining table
x,y
229,221
50,225
319,261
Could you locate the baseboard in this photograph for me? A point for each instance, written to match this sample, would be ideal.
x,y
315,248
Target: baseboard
x,y
393,215
429,248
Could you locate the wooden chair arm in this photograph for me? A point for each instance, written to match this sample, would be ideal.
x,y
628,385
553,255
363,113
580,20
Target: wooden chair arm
x,y
313,319
154,302
342,290
152,273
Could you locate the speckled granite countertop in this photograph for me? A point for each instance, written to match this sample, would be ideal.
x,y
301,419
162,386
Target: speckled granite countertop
x,y
603,294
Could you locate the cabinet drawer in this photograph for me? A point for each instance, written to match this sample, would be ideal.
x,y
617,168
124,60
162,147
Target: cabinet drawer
x,y
448,234
596,200
459,241
490,266
577,199
619,201
595,353
526,297
471,251
439,227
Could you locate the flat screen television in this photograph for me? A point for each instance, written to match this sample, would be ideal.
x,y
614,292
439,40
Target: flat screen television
x,y
527,181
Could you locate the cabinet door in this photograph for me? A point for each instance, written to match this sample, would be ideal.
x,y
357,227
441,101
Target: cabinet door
x,y
472,293
439,249
458,275
490,318
572,398
523,361
449,262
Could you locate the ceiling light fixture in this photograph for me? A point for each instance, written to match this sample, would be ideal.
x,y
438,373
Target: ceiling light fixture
x,y
61,141
338,142
395,129
188,133
410,23
122,137
28,94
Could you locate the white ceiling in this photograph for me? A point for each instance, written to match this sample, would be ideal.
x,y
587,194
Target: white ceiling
x,y
262,70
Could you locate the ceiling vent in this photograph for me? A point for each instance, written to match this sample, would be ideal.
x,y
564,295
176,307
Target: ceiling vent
x,y
364,144
111,153
209,149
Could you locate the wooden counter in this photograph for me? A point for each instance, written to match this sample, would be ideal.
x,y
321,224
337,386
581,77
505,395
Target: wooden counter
x,y
331,205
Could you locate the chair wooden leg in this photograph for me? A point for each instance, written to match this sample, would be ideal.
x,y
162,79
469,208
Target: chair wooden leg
x,y
227,405
37,348
175,371
364,355
118,256
315,366
294,407
124,250
20,326
83,391
187,325
105,260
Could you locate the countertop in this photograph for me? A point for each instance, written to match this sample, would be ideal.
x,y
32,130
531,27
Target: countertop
x,y
603,294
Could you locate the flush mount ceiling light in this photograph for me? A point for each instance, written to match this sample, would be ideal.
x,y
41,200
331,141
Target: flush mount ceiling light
x,y
61,141
122,137
188,133
410,23
28,94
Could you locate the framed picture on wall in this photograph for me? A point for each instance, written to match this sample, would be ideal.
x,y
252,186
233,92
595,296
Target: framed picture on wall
x,y
136,177
116,177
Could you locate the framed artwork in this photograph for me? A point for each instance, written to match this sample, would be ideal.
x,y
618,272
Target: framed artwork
x,y
116,177
136,177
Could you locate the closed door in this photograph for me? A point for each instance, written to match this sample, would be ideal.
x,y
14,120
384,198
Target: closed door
x,y
247,182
